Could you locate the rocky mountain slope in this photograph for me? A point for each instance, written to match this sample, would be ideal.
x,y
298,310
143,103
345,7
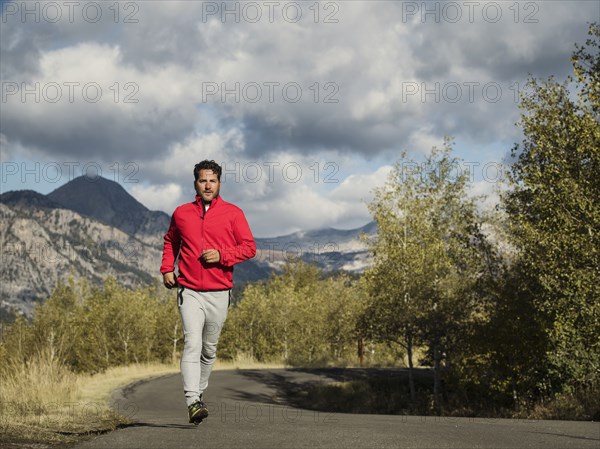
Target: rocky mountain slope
x,y
42,245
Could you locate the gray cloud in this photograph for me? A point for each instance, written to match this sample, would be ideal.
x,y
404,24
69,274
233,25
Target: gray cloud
x,y
379,50
371,56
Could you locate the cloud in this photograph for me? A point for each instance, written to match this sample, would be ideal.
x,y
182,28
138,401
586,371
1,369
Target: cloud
x,y
304,208
359,188
347,81
368,82
85,103
487,194
158,197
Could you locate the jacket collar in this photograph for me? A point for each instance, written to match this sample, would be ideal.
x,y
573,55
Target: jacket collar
x,y
215,202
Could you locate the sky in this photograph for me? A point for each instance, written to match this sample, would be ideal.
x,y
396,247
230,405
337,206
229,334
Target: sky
x,y
305,104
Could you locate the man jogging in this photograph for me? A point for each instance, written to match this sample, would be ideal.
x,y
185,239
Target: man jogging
x,y
210,236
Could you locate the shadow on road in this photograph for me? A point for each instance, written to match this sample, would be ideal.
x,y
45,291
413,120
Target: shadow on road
x,y
124,426
348,374
277,382
162,425
283,386
574,437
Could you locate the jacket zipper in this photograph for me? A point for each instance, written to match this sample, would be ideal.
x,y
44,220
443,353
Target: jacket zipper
x,y
203,244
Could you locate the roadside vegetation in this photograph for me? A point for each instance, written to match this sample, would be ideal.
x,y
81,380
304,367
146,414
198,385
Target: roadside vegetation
x,y
45,403
502,309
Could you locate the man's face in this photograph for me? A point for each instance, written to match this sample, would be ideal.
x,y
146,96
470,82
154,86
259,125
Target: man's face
x,y
207,185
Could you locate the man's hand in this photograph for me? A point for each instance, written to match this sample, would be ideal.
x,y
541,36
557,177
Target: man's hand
x,y
211,256
169,279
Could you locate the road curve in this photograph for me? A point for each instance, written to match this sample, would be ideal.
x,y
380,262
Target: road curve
x,y
247,411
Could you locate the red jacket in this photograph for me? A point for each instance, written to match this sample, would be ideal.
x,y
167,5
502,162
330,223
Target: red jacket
x,y
222,227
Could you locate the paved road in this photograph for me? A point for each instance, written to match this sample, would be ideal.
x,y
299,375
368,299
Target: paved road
x,y
247,412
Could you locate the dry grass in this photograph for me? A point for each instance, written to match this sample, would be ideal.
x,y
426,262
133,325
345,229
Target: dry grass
x,y
43,403
244,361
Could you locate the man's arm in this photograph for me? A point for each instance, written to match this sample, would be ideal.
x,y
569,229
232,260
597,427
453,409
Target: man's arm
x,y
170,252
245,247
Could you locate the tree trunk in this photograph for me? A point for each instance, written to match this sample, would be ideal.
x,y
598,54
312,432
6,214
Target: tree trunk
x,y
51,344
285,343
252,342
436,375
361,351
411,378
106,351
515,395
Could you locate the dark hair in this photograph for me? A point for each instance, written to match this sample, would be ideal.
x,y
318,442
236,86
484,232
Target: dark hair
x,y
207,165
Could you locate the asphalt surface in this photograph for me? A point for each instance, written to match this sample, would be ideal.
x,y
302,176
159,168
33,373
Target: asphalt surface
x,y
248,411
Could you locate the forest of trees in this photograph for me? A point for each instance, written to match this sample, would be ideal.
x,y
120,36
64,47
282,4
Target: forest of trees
x,y
503,307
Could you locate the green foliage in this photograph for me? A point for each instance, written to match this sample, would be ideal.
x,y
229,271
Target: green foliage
x,y
90,329
504,353
429,259
554,212
299,316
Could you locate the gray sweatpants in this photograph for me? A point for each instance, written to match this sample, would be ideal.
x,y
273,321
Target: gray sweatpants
x,y
203,315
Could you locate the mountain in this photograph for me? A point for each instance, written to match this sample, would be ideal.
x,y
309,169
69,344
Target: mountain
x,y
82,229
331,249
108,202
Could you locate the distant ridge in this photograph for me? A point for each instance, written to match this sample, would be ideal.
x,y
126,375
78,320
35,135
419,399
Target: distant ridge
x,y
330,239
27,198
